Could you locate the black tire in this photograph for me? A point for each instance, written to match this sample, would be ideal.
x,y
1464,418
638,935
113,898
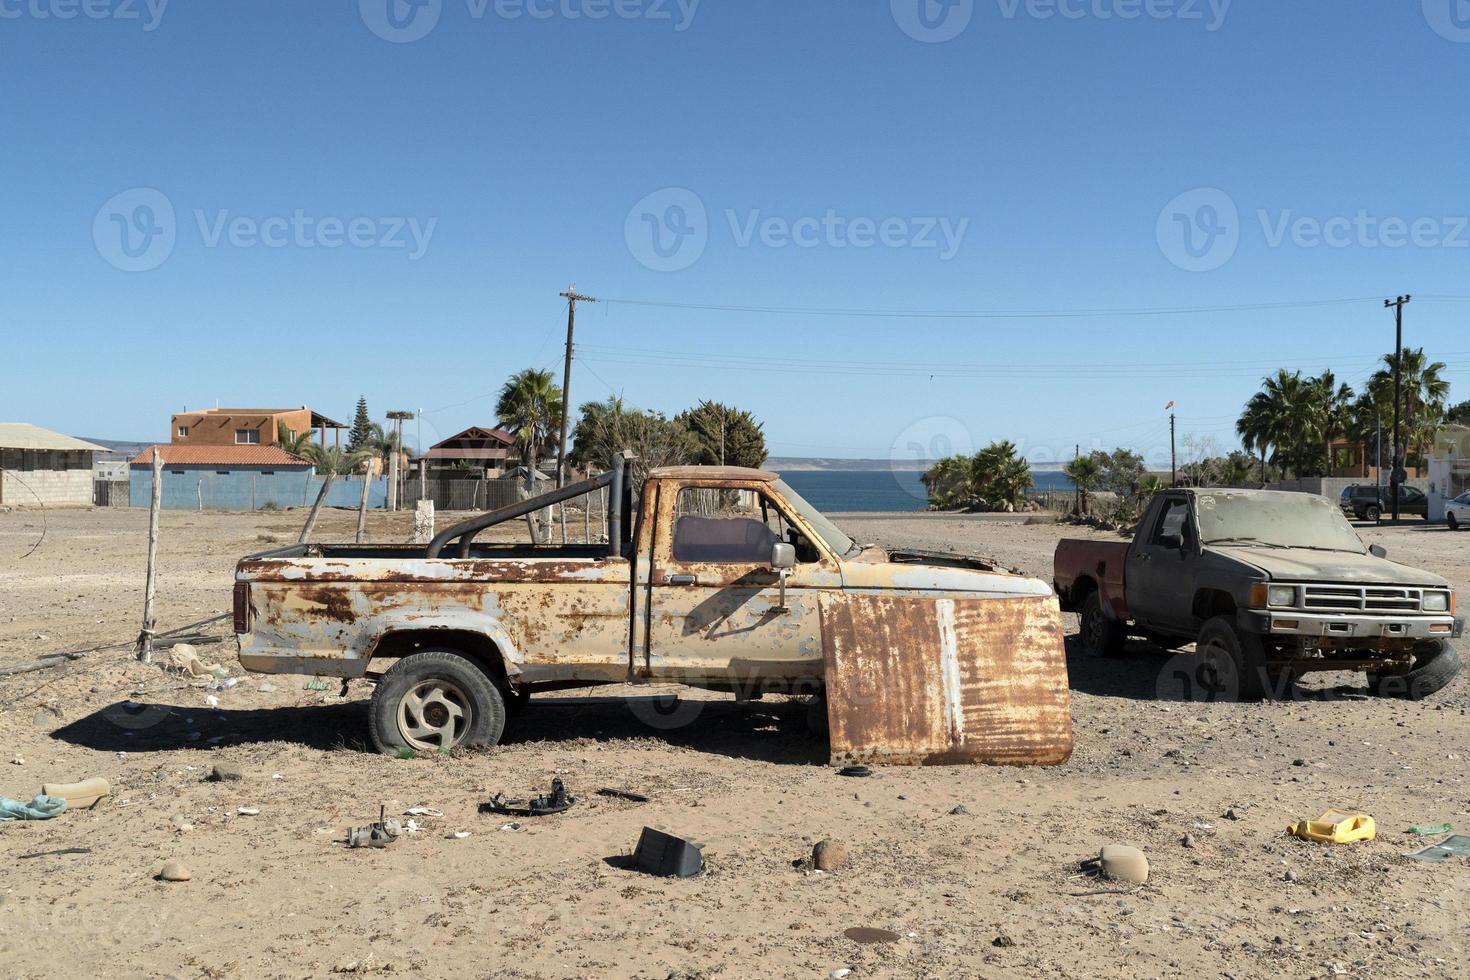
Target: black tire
x,y
1453,521
1239,661
467,709
1098,635
1435,664
1372,514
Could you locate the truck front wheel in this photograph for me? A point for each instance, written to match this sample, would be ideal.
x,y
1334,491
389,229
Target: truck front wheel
x,y
1435,664
1099,635
1238,661
433,701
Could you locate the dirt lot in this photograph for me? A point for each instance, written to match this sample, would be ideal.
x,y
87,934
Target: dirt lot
x,y
990,892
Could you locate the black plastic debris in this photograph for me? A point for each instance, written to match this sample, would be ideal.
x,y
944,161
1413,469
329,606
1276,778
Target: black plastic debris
x,y
668,856
856,771
622,794
557,801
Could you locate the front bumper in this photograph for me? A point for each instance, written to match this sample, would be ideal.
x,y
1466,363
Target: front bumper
x,y
1366,629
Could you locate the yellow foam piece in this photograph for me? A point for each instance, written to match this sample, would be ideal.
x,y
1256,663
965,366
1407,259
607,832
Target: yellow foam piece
x,y
1336,827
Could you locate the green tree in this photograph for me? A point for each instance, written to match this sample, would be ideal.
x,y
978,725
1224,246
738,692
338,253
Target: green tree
x,y
330,461
362,424
381,445
950,483
1085,473
1332,413
1001,474
1287,417
727,436
1119,471
530,409
1458,414
295,443
1425,393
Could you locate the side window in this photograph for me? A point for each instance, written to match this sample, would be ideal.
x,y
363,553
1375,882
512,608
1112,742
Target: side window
x,y
1173,521
736,527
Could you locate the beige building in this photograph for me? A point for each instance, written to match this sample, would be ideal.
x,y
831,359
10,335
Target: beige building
x,y
248,426
43,468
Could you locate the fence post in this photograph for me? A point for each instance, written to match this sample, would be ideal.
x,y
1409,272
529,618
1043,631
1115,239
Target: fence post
x,y
145,636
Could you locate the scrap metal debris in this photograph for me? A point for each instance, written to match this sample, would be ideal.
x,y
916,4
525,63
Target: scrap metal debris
x,y
557,801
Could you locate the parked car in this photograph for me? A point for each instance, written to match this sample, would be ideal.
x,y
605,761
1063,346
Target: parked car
x,y
1368,503
1269,585
1457,511
726,579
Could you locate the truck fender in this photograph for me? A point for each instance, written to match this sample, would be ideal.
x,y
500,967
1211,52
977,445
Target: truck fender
x,y
388,633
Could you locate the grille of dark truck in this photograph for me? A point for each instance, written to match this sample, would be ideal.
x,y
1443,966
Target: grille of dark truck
x,y
1356,598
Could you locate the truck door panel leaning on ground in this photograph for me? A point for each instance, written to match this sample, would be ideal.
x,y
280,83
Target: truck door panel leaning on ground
x,y
1269,585
719,583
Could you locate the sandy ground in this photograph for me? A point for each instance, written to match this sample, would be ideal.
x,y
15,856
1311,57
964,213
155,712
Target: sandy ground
x,y
992,892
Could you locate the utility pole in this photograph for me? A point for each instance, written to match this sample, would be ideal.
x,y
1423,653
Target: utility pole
x,y
572,296
1396,477
1173,455
393,460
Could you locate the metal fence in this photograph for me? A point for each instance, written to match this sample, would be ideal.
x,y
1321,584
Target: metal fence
x,y
468,494
110,493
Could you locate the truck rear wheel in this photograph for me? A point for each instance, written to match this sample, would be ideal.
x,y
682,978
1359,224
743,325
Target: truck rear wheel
x,y
433,701
1239,661
1435,664
1098,635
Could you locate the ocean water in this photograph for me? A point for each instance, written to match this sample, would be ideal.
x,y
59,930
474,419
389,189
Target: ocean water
x,y
884,491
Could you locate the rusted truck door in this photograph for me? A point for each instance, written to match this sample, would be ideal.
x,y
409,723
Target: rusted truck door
x,y
714,600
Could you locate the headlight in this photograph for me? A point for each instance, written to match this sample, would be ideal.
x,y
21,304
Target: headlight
x,y
1436,602
1281,595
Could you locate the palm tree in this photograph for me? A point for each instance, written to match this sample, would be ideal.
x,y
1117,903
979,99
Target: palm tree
x,y
1425,392
950,482
1254,428
1001,474
1284,416
530,408
329,461
295,443
1332,409
1084,471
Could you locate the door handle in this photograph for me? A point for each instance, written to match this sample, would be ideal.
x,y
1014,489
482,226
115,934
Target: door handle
x,y
683,580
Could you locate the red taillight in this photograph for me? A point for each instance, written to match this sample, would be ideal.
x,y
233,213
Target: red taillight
x,y
242,607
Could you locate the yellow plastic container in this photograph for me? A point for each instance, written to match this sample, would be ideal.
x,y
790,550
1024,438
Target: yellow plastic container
x,y
1336,827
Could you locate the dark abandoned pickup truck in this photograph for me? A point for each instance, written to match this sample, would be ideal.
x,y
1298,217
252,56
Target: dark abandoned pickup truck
x,y
725,579
1268,585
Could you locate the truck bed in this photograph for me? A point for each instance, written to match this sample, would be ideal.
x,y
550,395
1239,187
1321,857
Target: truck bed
x,y
1081,565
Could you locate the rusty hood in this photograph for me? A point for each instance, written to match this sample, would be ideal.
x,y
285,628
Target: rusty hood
x,y
940,681
937,573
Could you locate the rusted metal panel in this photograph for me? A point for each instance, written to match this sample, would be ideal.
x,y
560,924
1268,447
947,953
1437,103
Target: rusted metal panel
x,y
916,681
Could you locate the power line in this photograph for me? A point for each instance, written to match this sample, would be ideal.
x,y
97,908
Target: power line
x,y
1001,314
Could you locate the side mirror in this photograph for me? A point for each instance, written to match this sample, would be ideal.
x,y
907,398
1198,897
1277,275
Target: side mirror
x,y
783,556
1378,551
1175,541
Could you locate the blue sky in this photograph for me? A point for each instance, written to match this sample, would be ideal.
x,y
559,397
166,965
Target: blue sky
x,y
358,209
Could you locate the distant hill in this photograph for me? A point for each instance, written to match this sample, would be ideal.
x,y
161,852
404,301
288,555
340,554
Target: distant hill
x,y
118,449
800,463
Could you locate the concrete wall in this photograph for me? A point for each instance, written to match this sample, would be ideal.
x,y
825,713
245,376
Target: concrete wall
x,y
244,488
1332,487
51,488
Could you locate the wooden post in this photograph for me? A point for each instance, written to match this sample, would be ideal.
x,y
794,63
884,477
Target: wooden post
x,y
316,507
199,492
145,636
367,483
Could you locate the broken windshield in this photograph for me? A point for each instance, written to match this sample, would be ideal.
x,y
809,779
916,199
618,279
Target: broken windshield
x,y
1278,520
836,540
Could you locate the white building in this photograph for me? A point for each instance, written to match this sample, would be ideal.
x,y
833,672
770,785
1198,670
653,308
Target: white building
x,y
1449,468
39,467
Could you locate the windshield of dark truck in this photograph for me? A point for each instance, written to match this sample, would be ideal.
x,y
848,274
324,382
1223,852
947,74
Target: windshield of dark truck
x,y
1287,520
836,540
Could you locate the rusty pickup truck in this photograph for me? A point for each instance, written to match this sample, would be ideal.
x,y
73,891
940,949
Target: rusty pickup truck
x,y
1267,585
725,579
